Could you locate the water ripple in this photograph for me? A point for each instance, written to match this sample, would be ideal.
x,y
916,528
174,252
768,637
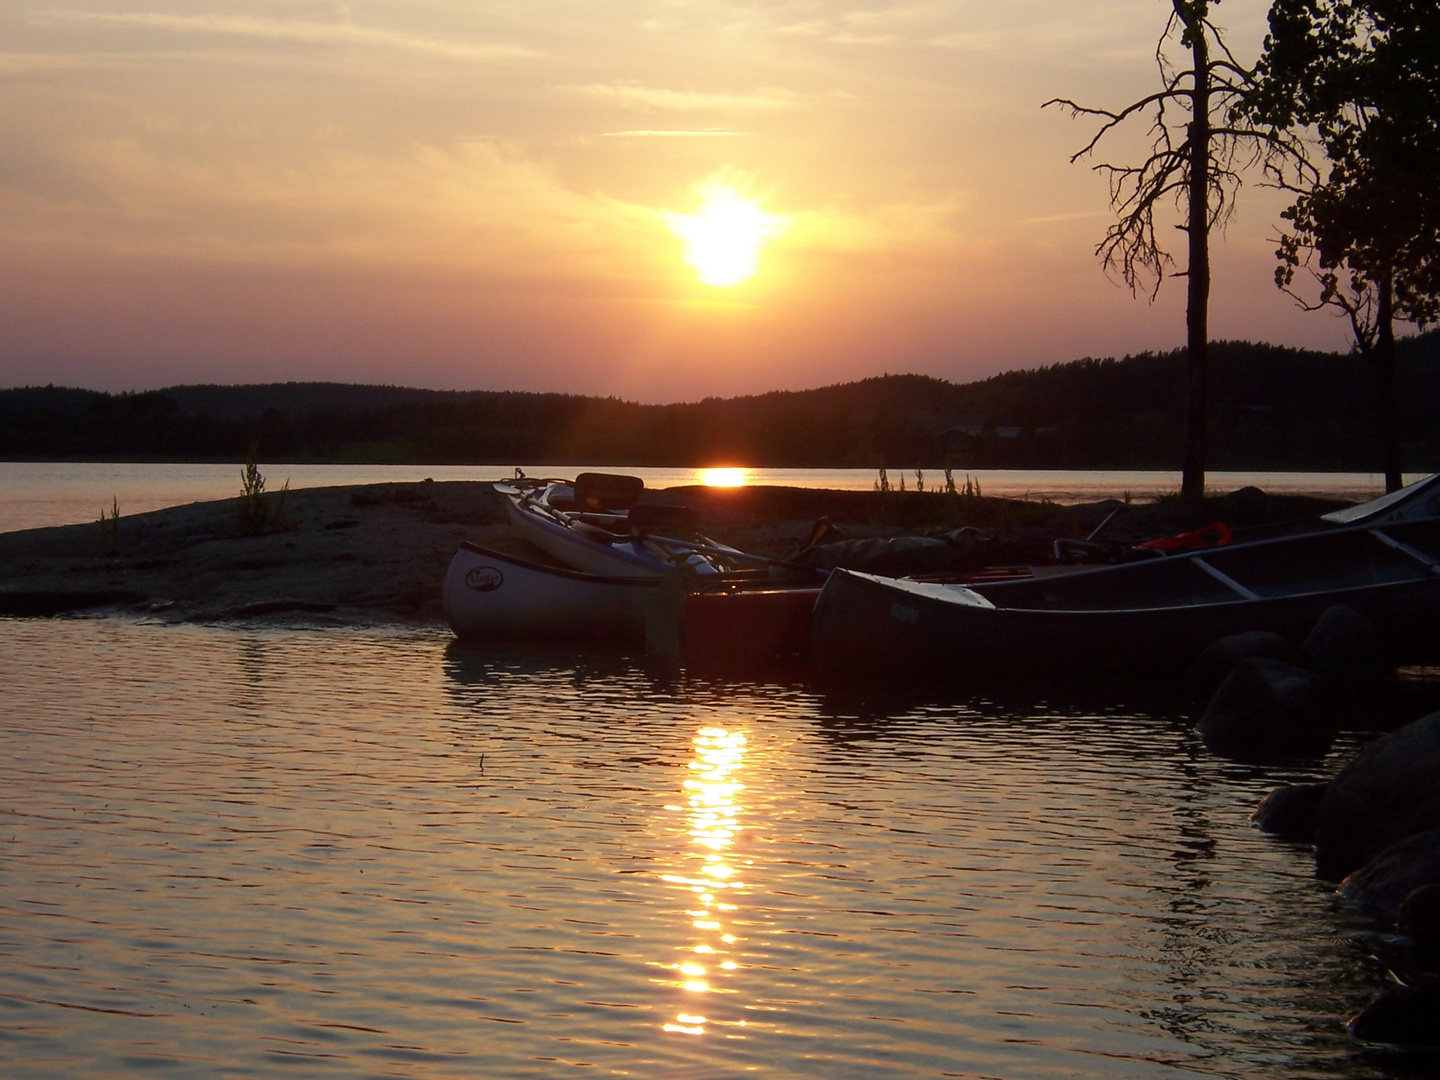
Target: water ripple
x,y
377,853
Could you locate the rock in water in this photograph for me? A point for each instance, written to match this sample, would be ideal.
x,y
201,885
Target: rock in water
x,y
1345,650
1390,791
1289,812
1420,917
1386,881
1268,710
1404,1015
1213,666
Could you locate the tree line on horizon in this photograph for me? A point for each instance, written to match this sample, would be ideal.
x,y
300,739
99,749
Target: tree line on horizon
x,y
1273,408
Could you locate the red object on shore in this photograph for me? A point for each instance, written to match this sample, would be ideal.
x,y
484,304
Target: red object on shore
x,y
1216,534
748,622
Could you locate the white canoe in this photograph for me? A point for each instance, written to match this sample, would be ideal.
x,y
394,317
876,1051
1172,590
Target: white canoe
x,y
492,595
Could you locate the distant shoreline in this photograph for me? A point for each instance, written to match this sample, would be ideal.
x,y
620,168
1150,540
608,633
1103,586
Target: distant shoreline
x,y
39,494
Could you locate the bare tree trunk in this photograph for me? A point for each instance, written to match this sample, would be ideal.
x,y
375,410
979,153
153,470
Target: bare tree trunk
x,y
1197,309
1383,358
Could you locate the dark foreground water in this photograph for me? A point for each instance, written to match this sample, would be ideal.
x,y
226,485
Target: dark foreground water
x,y
369,853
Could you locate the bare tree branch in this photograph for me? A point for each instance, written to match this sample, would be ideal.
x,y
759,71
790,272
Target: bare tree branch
x,y
1199,147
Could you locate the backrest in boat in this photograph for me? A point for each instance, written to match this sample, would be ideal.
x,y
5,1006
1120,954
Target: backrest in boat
x,y
607,491
646,518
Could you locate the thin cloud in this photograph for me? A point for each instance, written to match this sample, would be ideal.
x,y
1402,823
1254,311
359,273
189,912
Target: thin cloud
x,y
15,63
310,33
850,38
669,133
634,95
970,42
1053,219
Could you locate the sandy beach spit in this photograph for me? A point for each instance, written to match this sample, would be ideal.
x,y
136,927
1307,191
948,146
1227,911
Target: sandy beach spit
x,y
379,552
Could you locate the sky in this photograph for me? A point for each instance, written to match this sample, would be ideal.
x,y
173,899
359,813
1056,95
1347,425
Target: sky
x,y
507,195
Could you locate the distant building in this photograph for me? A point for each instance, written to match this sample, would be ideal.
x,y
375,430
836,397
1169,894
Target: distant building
x,y
971,426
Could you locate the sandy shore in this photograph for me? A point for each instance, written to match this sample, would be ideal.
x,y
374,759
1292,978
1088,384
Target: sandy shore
x,y
379,552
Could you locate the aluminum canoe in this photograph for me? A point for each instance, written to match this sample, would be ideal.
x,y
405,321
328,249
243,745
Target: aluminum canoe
x,y
1156,615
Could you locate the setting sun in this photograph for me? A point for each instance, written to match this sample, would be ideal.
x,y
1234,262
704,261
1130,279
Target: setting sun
x,y
723,477
723,239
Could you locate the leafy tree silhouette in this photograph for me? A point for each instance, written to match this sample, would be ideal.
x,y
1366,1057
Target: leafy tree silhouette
x,y
1363,80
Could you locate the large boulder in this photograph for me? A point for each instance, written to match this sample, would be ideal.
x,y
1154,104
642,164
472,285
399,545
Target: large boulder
x,y
1213,666
1390,791
1420,917
1384,883
1404,1015
1289,812
1268,710
1344,649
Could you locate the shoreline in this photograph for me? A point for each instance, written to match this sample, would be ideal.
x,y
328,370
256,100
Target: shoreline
x,y
359,553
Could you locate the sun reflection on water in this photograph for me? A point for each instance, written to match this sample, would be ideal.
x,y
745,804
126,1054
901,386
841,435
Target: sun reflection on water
x,y
709,876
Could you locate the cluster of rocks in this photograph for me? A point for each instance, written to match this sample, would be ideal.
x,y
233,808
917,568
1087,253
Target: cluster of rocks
x,y
1375,825
1267,704
1376,830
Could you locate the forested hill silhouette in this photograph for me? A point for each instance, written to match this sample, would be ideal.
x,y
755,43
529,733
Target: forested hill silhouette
x,y
1271,408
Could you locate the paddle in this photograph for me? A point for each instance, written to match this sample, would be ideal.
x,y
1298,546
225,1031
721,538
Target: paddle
x,y
722,552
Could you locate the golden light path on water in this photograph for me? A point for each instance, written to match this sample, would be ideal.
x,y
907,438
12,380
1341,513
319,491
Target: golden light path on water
x,y
709,876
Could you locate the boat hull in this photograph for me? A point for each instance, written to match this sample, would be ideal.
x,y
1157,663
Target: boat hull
x,y
1151,617
491,595
749,622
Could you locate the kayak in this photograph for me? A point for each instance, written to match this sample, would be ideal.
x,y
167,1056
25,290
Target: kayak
x,y
594,524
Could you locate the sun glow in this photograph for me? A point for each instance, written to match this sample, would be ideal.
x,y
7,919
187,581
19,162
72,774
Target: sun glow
x,y
726,477
723,239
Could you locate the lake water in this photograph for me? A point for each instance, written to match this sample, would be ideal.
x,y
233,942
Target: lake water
x,y
38,494
370,852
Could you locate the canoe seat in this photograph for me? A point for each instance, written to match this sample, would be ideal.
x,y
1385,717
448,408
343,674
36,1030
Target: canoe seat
x,y
646,518
607,491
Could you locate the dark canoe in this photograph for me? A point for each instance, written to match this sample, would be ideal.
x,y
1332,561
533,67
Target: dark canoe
x,y
753,619
1149,616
